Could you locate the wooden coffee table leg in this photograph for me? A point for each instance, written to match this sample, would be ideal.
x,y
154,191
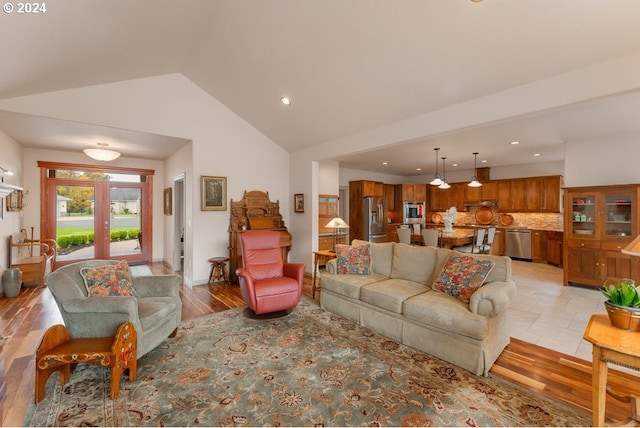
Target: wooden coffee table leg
x,y
53,337
125,356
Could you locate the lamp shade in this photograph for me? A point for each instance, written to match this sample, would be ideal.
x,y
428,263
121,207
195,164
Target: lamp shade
x,y
633,249
337,223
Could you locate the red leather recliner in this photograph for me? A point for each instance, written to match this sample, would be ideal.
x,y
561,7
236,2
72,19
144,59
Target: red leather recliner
x,y
267,283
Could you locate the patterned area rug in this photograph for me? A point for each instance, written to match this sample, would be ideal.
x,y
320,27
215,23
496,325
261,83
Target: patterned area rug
x,y
309,368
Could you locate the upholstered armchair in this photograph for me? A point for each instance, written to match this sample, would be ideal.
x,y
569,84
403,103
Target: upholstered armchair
x,y
267,283
154,306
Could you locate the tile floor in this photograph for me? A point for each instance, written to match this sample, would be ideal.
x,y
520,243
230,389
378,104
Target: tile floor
x,y
549,314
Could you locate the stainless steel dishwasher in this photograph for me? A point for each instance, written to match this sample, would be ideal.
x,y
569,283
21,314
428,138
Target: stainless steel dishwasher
x,y
517,243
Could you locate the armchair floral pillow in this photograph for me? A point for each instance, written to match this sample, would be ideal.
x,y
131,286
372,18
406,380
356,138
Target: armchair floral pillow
x,y
109,280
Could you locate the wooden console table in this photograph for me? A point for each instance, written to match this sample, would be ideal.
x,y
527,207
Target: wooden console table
x,y
57,351
320,258
34,257
611,345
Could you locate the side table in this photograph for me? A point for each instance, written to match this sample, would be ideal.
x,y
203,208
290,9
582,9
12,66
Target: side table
x,y
57,351
610,345
320,258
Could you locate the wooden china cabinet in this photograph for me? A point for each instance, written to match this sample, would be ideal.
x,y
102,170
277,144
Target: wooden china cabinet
x,y
600,221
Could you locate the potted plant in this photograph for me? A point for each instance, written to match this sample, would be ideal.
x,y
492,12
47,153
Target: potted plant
x,y
623,304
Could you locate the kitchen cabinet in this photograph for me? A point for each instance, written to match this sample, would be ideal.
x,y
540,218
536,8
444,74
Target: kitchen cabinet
x,y
358,190
443,199
554,248
518,194
489,191
472,194
599,222
504,195
392,236
551,186
539,246
389,194
414,192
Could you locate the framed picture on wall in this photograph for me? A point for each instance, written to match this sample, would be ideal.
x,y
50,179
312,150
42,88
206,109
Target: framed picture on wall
x,y
214,193
167,201
298,202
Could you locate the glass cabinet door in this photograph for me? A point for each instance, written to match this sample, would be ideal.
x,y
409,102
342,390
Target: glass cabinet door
x,y
583,214
617,215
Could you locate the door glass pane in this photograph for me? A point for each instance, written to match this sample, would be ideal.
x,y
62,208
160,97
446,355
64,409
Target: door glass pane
x,y
75,221
125,233
618,215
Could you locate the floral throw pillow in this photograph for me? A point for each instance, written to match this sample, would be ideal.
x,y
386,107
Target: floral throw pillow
x,y
353,260
109,280
462,275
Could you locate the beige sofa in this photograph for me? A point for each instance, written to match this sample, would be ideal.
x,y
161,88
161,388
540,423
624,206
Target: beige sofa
x,y
396,300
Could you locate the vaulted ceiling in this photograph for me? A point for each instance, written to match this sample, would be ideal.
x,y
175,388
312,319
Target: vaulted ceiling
x,y
347,65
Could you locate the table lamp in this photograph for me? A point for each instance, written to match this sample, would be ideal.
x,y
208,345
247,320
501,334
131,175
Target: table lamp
x,y
336,224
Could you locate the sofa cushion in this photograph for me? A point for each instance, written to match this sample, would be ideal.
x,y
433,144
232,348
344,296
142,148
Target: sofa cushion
x,y
108,280
348,285
381,256
413,263
447,313
355,260
391,293
462,275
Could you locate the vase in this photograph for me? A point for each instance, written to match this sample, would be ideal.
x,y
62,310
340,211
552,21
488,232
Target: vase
x,y
12,281
623,317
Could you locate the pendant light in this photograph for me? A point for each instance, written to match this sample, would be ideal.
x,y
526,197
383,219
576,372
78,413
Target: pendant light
x,y
474,181
436,180
444,184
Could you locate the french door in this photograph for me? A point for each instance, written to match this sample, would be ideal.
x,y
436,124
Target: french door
x,y
99,214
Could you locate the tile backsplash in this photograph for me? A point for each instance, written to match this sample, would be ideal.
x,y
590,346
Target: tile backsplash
x,y
543,221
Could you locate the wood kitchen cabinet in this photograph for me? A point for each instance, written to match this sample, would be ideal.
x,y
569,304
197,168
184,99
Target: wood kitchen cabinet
x,y
554,248
489,191
599,222
414,192
358,190
539,246
443,199
504,196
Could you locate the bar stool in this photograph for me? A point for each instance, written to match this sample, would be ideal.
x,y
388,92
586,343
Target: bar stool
x,y
218,269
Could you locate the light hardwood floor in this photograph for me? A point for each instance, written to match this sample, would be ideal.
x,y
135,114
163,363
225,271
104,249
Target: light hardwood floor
x,y
557,375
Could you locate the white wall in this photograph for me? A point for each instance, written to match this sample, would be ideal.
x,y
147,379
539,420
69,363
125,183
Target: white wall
x,y
11,222
222,145
613,159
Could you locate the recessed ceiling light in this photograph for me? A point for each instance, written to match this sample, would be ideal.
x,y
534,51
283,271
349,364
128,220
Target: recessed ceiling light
x,y
454,164
514,143
535,155
385,163
418,169
483,161
286,101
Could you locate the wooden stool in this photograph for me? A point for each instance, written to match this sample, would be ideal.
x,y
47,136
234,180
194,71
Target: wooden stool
x,y
57,351
218,269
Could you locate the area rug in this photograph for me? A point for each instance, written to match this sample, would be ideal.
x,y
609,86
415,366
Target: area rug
x,y
309,368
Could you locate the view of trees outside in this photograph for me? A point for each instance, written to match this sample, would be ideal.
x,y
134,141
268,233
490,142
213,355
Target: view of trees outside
x,y
75,220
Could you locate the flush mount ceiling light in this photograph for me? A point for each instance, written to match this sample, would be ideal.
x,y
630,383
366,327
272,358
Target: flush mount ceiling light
x,y
436,179
102,153
474,181
286,101
444,184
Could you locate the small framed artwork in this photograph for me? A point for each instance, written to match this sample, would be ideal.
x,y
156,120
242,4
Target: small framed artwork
x,y
214,193
298,202
167,201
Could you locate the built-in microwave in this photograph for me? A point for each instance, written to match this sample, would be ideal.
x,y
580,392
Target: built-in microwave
x,y
413,212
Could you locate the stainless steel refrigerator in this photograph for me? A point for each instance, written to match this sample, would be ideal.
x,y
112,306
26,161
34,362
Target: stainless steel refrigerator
x,y
375,219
